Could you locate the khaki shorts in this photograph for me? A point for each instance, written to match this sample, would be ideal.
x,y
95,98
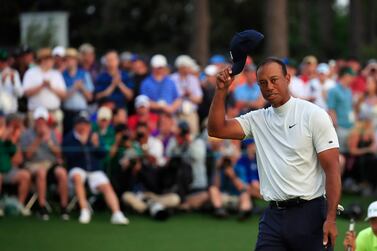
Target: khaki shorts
x,y
95,179
34,166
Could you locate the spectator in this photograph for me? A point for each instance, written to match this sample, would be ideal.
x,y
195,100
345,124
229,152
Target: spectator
x,y
11,158
59,53
79,89
45,87
161,90
340,107
24,60
143,114
42,155
88,60
114,84
105,132
308,68
187,158
362,149
218,60
166,127
126,61
248,96
358,85
143,166
208,89
367,103
120,117
188,86
320,85
297,86
366,240
140,72
84,154
10,85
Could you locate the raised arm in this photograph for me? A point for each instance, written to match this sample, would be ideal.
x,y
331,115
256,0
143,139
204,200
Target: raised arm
x,y
218,125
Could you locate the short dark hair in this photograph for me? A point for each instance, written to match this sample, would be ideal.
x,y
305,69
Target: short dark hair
x,y
273,60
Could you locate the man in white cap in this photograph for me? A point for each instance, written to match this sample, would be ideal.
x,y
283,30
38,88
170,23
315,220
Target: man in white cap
x,y
59,58
42,155
320,85
159,88
366,240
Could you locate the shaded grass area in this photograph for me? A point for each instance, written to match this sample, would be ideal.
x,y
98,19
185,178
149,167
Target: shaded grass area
x,y
182,232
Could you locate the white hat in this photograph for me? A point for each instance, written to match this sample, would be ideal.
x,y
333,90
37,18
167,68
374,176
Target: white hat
x,y
323,68
211,70
159,61
141,100
183,61
40,113
372,211
104,113
58,51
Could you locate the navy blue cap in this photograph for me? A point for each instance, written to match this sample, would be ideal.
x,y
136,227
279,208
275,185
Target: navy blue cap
x,y
241,45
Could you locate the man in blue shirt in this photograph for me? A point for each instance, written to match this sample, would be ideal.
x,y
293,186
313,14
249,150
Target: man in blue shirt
x,y
79,89
161,90
339,102
114,84
248,96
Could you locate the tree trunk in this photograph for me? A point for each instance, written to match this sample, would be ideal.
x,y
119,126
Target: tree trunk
x,y
356,27
276,28
304,26
200,32
326,22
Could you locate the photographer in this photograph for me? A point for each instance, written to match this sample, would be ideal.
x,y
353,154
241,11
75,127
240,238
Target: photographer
x,y
186,170
143,167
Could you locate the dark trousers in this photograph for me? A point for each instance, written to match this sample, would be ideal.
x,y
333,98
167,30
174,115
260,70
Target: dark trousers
x,y
294,228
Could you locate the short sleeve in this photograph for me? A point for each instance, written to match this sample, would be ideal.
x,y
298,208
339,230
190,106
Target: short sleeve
x,y
323,131
362,241
246,122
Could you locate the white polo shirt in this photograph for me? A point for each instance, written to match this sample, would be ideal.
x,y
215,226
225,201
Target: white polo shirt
x,y
45,98
288,139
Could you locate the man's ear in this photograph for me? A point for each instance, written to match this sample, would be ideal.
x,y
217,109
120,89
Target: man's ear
x,y
288,78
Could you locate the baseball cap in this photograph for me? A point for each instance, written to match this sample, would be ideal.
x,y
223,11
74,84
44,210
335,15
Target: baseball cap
x,y
241,45
58,51
83,117
104,113
44,53
159,60
40,113
126,56
372,211
310,59
184,61
86,48
141,100
346,71
323,68
217,59
211,70
71,52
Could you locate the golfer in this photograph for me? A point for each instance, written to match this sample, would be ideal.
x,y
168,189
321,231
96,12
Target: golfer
x,y
298,161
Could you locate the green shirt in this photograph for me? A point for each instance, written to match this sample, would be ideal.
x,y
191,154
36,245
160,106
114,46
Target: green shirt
x,y
7,150
366,240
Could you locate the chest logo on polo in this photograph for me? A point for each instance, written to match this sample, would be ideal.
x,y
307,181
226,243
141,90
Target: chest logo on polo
x,y
290,126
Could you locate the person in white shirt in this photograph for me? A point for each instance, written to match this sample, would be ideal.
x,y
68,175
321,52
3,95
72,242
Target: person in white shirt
x,y
320,85
10,85
298,161
44,86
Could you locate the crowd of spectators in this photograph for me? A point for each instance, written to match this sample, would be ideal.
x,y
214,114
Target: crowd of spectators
x,y
134,130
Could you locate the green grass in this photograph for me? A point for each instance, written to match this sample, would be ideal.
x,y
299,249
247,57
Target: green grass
x,y
181,232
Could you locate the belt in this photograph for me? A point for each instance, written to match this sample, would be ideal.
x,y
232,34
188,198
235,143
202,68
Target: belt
x,y
295,202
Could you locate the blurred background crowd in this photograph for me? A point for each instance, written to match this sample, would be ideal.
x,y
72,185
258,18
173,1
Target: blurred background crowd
x,y
75,124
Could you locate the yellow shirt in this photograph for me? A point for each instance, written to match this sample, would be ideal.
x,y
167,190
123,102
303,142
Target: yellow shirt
x,y
366,240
